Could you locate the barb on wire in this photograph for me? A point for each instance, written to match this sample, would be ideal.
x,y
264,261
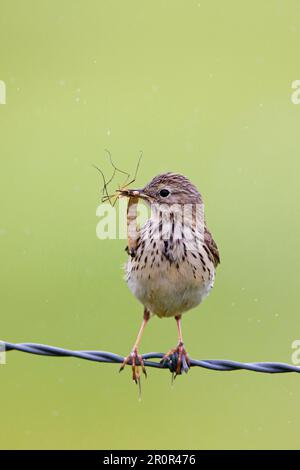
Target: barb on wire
x,y
108,357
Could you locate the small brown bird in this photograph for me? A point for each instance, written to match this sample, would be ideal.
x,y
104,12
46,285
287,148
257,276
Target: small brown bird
x,y
171,265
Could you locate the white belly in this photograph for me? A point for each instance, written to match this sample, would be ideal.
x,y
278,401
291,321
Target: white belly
x,y
169,291
170,282
165,298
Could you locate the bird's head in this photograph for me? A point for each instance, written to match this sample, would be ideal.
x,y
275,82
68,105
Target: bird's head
x,y
167,188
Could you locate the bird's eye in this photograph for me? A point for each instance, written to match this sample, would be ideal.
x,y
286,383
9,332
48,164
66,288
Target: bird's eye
x,y
164,192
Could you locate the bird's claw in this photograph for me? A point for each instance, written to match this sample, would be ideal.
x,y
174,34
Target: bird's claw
x,y
177,359
136,361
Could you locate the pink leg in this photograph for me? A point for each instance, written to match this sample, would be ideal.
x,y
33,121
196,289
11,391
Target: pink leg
x,y
134,356
180,349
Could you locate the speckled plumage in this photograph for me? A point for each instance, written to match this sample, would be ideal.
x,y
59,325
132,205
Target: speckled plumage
x,y
171,265
173,268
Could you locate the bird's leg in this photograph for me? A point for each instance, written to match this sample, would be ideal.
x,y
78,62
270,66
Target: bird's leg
x,y
183,362
134,357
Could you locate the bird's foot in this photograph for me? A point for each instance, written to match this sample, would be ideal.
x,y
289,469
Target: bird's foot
x,y
136,361
177,360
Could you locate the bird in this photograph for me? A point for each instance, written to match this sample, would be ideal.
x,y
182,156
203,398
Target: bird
x,y
171,266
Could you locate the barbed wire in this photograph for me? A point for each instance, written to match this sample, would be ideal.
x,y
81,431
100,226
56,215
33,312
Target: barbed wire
x,y
111,358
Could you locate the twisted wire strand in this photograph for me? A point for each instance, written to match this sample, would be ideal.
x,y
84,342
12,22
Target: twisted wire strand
x,y
111,358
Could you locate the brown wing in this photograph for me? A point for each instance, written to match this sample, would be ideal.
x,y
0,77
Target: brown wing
x,y
212,247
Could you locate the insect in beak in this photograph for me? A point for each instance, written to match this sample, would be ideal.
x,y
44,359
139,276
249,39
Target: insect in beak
x,y
132,193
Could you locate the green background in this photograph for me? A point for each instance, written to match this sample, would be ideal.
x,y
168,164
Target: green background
x,y
204,89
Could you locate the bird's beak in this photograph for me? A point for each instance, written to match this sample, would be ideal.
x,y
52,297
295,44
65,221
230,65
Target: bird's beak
x,y
138,193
